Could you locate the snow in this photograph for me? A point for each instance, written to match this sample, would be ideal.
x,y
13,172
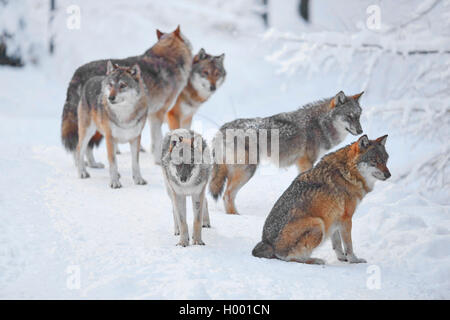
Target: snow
x,y
121,241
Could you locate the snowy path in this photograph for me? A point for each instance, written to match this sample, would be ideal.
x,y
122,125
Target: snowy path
x,y
122,240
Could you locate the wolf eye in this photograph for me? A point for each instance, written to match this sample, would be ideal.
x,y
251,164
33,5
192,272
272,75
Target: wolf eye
x,y
123,85
205,73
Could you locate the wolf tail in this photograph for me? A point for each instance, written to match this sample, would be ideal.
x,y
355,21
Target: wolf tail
x,y
263,250
219,175
69,124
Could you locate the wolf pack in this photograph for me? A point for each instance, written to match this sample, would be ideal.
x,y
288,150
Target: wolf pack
x,y
113,98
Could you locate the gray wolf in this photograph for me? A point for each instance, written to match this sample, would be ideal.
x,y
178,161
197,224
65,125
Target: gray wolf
x,y
165,69
320,203
115,106
304,135
186,166
207,75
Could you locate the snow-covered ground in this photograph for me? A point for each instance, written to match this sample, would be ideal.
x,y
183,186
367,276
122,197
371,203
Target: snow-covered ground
x,y
55,227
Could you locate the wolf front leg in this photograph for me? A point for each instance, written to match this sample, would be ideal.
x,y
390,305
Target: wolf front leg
x,y
113,171
337,246
135,146
155,121
346,234
197,206
206,222
179,206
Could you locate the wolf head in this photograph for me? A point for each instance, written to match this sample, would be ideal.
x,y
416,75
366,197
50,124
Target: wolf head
x,y
372,158
122,83
346,112
185,151
208,72
175,38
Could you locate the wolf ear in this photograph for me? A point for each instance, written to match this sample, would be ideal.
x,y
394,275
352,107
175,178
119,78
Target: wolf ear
x,y
110,67
177,31
200,55
363,142
136,71
159,34
338,99
221,57
357,96
382,140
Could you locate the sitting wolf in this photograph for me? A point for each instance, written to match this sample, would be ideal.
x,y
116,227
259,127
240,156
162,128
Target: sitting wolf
x,y
320,203
304,135
186,166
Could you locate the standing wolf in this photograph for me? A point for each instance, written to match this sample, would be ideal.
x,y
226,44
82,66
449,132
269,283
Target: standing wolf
x,y
115,106
186,166
207,75
165,69
320,203
304,135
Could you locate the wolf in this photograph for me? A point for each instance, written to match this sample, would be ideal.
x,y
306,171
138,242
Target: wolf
x,y
304,135
320,203
207,75
165,69
186,166
114,106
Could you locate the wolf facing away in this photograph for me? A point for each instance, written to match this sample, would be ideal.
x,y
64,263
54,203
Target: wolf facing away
x,y
115,106
304,135
186,166
165,69
207,75
320,203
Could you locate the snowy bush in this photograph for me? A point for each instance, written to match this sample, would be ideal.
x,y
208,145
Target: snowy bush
x,y
403,66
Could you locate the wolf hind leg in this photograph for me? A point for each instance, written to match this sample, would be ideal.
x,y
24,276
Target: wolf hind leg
x,y
91,163
135,148
299,238
85,134
238,176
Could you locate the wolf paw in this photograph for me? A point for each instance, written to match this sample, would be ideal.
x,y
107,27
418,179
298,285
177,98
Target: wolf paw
x,y
115,184
139,181
341,257
206,225
84,175
198,242
355,259
183,243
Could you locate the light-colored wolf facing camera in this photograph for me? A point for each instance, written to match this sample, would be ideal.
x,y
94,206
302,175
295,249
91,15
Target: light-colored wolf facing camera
x,y
114,105
207,75
320,203
165,69
304,135
186,166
